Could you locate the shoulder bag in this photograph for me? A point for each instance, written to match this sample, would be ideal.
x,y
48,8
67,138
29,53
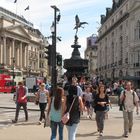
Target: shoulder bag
x,y
66,116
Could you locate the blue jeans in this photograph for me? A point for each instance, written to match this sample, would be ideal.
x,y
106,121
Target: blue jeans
x,y
54,130
72,131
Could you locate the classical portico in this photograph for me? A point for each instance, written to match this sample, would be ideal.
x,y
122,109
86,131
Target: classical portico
x,y
13,47
20,41
15,42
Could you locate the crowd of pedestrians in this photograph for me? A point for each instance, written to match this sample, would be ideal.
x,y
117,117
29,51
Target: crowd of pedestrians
x,y
75,98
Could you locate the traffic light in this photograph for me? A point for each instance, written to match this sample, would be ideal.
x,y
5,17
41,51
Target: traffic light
x,y
48,54
59,60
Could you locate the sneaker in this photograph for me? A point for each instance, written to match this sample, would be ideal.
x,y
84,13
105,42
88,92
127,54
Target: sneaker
x,y
14,121
90,117
101,134
125,135
39,123
43,121
130,130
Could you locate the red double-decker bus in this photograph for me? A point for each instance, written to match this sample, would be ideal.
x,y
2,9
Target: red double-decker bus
x,y
6,84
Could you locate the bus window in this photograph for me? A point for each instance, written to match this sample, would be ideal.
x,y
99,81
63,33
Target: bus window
x,y
16,73
10,83
7,83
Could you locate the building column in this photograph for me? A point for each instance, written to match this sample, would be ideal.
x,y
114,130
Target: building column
x,y
27,55
4,50
8,51
10,54
1,50
25,58
13,48
12,51
20,56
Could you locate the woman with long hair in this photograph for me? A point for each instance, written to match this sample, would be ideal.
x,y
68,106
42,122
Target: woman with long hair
x,y
56,109
101,102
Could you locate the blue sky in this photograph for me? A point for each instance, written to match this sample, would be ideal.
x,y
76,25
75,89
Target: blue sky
x,y
41,15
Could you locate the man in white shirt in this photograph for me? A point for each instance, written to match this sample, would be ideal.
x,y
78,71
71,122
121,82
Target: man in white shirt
x,y
130,99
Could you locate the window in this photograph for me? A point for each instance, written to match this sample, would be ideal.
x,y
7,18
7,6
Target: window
x,y
126,7
138,29
112,34
121,27
126,23
121,12
106,27
121,48
39,65
40,55
90,53
126,41
42,65
112,21
112,52
34,65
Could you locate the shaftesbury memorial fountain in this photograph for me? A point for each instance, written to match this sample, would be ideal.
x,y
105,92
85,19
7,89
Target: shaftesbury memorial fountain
x,y
76,66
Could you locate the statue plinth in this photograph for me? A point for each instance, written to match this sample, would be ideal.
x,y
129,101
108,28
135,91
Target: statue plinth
x,y
76,66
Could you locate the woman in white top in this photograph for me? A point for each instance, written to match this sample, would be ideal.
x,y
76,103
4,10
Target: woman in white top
x,y
42,97
88,100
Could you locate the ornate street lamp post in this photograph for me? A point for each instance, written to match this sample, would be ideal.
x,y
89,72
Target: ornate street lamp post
x,y
54,71
29,70
113,72
13,74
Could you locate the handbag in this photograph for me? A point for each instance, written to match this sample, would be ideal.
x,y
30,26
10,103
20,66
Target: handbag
x,y
66,116
36,102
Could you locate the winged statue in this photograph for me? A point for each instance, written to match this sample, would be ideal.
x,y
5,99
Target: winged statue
x,y
78,24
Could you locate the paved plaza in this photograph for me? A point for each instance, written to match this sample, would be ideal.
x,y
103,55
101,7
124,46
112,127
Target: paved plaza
x,y
32,131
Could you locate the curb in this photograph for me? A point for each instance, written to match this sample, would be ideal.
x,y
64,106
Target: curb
x,y
21,108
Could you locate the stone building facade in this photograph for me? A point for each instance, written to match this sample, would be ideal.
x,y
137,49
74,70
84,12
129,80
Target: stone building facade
x,y
119,41
91,55
19,40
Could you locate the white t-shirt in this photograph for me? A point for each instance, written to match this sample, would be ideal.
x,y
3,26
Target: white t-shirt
x,y
129,100
88,96
42,96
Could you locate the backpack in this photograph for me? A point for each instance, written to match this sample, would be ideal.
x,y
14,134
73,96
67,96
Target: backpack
x,y
121,103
